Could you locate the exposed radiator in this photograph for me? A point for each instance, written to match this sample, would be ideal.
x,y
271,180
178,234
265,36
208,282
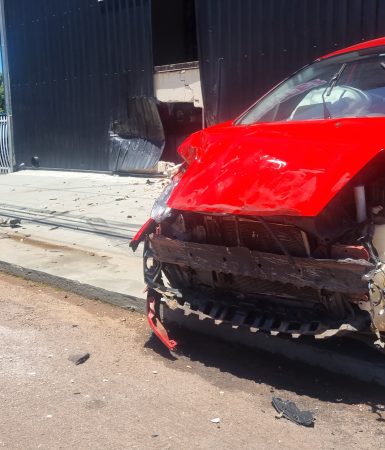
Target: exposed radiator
x,y
254,235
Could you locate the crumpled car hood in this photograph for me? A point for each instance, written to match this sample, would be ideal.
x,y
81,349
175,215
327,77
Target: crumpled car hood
x,y
287,168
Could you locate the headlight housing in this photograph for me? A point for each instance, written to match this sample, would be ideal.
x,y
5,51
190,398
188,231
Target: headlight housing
x,y
160,211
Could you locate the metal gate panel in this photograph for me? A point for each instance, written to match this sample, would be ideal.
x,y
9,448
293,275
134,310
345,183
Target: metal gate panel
x,y
74,65
5,166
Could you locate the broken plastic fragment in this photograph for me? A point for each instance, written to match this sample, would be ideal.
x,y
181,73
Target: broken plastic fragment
x,y
290,411
79,359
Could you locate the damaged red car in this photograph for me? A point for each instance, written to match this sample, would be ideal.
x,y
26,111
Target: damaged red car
x,y
276,221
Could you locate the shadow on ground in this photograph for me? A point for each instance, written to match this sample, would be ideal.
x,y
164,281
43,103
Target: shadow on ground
x,y
278,373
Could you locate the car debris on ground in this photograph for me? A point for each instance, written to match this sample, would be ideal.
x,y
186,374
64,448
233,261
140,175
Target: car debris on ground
x,y
290,411
216,420
79,359
9,222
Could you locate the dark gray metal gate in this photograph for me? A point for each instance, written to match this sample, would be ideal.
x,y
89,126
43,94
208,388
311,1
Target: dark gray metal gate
x,y
5,163
81,71
75,67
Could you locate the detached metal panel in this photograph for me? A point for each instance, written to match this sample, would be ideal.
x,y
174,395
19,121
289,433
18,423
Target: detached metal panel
x,y
247,46
74,66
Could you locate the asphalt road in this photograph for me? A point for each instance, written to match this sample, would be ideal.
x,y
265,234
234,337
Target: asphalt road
x,y
130,394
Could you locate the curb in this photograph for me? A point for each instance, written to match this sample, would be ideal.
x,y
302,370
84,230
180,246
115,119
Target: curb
x,y
86,290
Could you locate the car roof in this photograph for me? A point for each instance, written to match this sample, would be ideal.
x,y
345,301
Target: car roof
x,y
361,46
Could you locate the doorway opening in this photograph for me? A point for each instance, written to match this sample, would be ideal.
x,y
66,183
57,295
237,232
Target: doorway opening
x,y
177,82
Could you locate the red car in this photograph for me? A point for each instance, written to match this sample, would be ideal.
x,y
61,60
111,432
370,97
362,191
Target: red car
x,y
276,220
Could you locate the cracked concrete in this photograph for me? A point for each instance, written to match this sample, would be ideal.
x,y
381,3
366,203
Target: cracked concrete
x,y
77,227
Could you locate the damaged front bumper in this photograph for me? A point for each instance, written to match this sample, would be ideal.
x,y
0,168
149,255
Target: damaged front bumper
x,y
343,277
260,276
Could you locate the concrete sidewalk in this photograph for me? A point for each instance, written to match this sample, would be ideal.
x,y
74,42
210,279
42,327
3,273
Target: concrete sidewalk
x,y
76,227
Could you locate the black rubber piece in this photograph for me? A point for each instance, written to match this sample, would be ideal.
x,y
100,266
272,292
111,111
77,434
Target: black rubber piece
x,y
290,411
79,359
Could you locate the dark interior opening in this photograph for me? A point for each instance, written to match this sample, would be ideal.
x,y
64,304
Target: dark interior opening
x,y
174,38
179,121
174,32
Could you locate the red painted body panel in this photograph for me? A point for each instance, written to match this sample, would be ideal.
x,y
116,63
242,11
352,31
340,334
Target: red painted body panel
x,y
153,301
282,168
355,48
144,230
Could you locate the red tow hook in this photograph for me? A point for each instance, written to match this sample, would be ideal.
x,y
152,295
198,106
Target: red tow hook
x,y
155,322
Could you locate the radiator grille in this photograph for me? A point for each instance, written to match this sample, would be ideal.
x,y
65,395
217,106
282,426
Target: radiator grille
x,y
254,235
377,193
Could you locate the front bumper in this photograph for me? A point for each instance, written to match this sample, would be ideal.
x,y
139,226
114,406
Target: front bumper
x,y
345,276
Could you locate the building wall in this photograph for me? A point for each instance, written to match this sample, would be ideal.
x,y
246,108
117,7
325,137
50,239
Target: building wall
x,y
81,71
77,69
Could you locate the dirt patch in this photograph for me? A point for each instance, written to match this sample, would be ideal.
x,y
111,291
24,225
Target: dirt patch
x,y
132,394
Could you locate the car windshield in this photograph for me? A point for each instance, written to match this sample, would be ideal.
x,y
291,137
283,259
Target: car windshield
x,y
344,86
